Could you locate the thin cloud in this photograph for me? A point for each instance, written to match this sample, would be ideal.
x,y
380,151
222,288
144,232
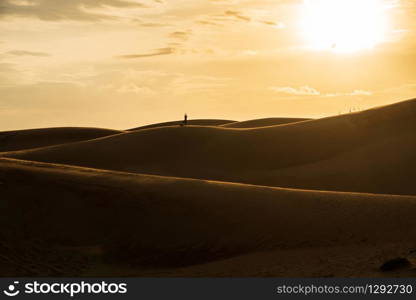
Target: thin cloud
x,y
27,53
301,91
149,24
180,35
156,52
272,23
56,10
310,91
205,22
238,15
353,93
278,25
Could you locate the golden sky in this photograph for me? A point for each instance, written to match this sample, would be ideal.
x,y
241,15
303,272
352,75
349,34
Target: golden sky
x,y
123,63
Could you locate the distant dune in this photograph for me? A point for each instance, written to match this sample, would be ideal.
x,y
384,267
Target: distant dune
x,y
34,138
138,220
263,122
200,122
369,151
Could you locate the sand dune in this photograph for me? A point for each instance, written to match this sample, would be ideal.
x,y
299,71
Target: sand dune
x,y
328,153
171,222
263,122
226,123
34,138
199,122
385,166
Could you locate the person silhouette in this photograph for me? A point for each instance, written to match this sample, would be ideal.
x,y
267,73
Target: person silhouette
x,y
185,119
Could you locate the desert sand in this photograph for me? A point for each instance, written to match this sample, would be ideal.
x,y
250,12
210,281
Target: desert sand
x,y
34,138
325,197
329,154
146,223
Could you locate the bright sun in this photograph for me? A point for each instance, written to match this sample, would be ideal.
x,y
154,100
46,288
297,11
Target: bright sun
x,y
344,25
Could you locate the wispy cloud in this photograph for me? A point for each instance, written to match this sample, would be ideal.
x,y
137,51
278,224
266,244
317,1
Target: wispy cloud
x,y
278,25
155,52
55,10
27,53
353,93
180,35
207,22
310,91
238,15
303,90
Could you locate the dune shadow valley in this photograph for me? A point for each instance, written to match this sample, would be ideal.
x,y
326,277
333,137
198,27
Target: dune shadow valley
x,y
271,197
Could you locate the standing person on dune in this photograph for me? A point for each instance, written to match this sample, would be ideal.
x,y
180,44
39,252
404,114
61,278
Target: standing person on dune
x,y
185,119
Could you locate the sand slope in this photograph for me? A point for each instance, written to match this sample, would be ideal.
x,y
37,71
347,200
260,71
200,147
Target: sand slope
x,y
263,122
385,166
288,155
199,122
171,222
34,138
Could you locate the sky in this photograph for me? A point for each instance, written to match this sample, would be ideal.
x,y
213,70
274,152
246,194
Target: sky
x,y
124,63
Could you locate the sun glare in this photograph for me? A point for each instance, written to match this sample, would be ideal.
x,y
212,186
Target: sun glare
x,y
344,26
